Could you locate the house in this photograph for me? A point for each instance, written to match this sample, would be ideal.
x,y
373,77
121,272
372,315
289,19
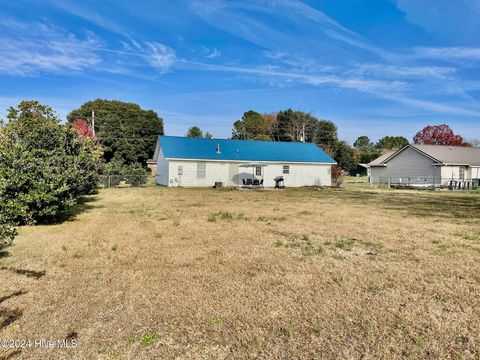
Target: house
x,y
426,164
183,161
152,165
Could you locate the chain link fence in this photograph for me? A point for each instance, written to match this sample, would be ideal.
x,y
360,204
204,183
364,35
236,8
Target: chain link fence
x,y
430,183
123,181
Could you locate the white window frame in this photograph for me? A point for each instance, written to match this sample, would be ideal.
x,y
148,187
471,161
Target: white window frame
x,y
180,170
201,170
461,172
286,169
258,171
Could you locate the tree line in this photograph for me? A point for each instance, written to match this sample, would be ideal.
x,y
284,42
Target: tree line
x,y
295,126
46,166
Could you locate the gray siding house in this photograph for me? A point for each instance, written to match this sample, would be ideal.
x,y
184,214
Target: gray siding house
x,y
426,164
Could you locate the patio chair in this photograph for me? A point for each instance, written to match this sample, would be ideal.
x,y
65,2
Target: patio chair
x,y
256,183
261,183
249,183
244,183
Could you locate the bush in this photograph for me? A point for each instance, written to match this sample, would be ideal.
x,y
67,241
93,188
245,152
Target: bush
x,y
134,174
7,233
337,176
44,166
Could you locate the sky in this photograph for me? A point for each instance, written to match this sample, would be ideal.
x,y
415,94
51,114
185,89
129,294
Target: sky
x,y
373,67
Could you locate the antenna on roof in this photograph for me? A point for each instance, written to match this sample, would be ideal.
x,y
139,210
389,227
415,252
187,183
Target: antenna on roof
x,y
218,149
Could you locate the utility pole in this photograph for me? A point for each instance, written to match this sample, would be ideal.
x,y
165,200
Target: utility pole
x,y
93,122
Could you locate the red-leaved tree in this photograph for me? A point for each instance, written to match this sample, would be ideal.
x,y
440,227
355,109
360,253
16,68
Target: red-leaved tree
x,y
84,129
438,135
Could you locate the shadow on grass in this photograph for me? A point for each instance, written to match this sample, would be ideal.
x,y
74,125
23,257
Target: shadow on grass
x,y
12,295
84,204
431,204
8,316
4,254
11,355
28,273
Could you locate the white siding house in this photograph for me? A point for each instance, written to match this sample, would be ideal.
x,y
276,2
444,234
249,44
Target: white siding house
x,y
426,164
203,162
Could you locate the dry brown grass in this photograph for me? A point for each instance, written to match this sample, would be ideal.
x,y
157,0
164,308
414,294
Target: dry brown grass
x,y
213,274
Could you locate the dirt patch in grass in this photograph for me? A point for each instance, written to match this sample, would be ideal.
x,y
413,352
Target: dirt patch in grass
x,y
198,273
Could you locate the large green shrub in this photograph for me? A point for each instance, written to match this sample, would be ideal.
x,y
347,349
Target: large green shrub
x,y
44,166
116,172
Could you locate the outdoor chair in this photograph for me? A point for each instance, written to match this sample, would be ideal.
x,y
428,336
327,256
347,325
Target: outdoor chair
x,y
256,183
244,183
249,183
261,183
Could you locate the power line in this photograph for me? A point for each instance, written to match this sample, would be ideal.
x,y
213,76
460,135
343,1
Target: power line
x,y
122,138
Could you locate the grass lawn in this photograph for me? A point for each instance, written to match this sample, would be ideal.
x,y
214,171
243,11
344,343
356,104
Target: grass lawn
x,y
213,274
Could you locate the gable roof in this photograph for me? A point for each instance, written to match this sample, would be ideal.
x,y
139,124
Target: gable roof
x,y
378,161
443,154
241,150
461,155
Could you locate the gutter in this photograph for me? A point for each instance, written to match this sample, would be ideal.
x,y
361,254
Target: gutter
x,y
265,161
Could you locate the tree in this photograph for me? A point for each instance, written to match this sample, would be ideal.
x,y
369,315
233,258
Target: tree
x,y
293,125
363,143
44,166
365,150
391,143
207,135
325,133
344,155
125,131
194,132
84,129
438,135
250,127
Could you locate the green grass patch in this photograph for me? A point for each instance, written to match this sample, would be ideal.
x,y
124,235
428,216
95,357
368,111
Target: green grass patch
x,y
148,339
344,244
226,216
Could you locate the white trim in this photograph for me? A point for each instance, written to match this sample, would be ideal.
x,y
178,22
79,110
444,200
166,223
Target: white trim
x,y
243,161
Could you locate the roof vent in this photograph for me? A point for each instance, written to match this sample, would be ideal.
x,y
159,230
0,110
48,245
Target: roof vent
x,y
451,148
218,149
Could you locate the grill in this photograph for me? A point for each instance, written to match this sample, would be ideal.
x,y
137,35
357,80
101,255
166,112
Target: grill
x,y
279,182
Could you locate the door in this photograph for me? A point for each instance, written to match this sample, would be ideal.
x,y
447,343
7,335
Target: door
x,y
233,175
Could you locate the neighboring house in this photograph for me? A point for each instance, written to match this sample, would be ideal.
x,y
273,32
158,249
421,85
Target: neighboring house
x,y
183,161
426,164
152,165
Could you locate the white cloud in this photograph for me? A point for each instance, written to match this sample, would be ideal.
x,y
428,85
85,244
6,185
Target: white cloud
x,y
431,106
160,56
213,53
55,52
270,73
449,53
375,69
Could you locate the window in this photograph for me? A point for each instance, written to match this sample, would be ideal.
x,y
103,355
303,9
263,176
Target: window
x,y
286,169
180,169
258,170
201,170
461,173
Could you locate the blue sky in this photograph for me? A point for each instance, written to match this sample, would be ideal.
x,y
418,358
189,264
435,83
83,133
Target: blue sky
x,y
374,67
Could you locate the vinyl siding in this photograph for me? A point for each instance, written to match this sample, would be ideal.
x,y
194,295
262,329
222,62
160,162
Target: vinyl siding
x,y
227,173
453,172
475,172
162,169
407,164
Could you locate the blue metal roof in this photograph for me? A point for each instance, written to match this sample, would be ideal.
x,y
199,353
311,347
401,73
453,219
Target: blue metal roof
x,y
241,150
